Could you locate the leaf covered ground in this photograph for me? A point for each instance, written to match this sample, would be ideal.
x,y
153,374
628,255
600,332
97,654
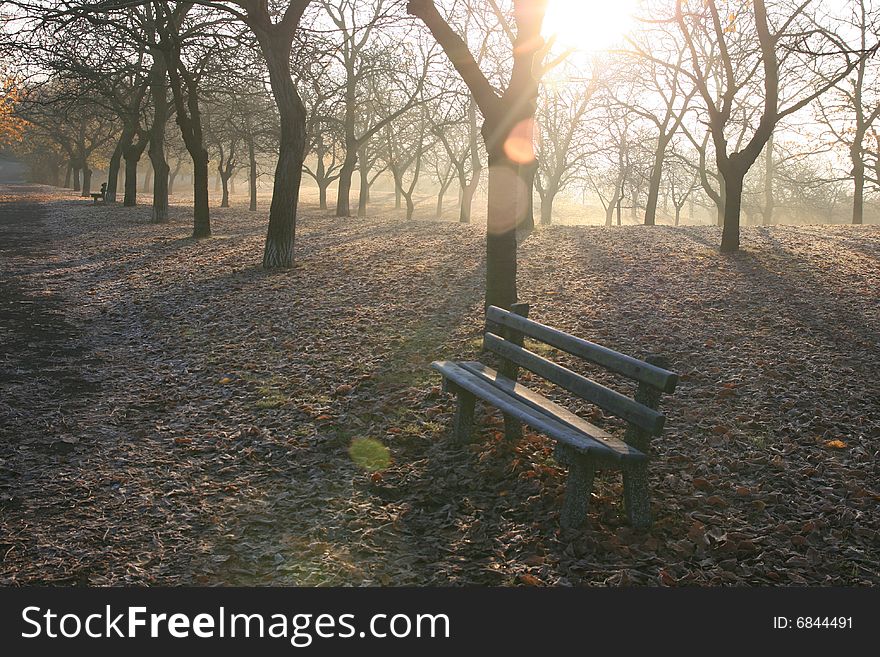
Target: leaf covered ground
x,y
172,414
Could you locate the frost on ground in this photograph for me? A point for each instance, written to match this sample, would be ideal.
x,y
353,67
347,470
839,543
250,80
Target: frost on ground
x,y
172,414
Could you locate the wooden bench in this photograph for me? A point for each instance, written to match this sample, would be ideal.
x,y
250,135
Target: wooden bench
x,y
580,445
99,196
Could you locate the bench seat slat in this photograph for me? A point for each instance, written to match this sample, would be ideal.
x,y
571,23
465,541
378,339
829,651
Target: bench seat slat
x,y
606,398
538,401
479,386
608,358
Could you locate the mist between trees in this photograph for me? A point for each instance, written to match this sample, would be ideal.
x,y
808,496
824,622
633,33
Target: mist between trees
x,y
698,111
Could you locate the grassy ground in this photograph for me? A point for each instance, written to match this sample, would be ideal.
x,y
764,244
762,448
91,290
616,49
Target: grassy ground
x,y
174,414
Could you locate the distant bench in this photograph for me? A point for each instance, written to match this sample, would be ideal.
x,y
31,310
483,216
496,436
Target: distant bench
x,y
99,196
579,445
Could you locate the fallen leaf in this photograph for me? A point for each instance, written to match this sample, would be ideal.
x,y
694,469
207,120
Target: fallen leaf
x,y
530,580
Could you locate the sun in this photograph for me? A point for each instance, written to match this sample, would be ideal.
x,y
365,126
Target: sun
x,y
589,25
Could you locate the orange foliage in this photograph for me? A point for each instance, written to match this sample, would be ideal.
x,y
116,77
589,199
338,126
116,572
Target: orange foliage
x,y
11,127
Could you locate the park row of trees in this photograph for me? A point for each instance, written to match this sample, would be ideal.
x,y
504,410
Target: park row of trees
x,y
749,108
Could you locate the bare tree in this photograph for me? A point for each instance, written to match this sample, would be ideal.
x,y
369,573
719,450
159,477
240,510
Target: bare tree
x,y
508,130
562,146
851,109
374,72
665,101
751,52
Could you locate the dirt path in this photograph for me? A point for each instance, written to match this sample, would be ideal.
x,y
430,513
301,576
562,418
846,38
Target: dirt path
x,y
41,371
76,486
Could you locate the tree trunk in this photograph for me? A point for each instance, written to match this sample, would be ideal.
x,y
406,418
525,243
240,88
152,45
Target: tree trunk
x,y
113,168
767,210
158,94
54,174
654,184
547,207
468,191
364,191
76,186
527,174
252,174
201,210
322,194
410,206
148,181
172,177
67,175
343,192
87,180
677,214
858,209
132,155
441,194
224,181
722,195
439,208
278,251
733,185
505,199
160,183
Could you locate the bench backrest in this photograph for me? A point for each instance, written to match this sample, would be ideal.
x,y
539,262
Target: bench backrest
x,y
609,400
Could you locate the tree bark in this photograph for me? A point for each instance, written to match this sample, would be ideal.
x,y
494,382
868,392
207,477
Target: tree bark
x,y
527,174
439,209
158,74
343,192
410,206
201,211
160,183
721,201
131,155
858,173
278,250
364,191
172,177
115,163
468,192
87,180
732,205
252,174
504,182
654,184
547,207
76,186
224,182
769,202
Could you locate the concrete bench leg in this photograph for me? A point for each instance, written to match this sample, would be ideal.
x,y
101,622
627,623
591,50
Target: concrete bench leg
x,y
463,424
636,495
578,488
